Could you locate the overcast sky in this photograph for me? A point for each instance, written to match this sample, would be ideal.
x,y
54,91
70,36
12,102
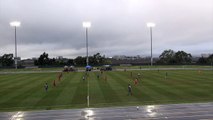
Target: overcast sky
x,y
118,27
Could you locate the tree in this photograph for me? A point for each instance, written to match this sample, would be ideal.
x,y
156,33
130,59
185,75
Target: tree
x,y
171,57
202,60
70,62
43,60
167,57
205,61
7,60
96,59
182,57
80,60
210,59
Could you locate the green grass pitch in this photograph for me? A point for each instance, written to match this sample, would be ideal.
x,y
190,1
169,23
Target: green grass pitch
x,y
26,91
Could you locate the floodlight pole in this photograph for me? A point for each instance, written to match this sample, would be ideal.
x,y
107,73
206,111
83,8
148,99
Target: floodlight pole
x,y
151,25
151,44
87,59
16,61
15,24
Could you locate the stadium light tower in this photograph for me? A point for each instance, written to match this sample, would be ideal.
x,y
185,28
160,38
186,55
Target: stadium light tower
x,y
87,25
151,25
15,24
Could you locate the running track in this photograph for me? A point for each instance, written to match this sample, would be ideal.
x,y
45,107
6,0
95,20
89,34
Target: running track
x,y
195,111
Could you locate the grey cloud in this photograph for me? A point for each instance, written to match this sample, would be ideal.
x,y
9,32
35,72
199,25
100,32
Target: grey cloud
x,y
118,27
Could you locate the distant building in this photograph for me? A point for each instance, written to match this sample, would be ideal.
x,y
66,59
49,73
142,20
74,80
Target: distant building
x,y
133,60
27,62
60,57
195,59
123,57
19,60
204,55
34,58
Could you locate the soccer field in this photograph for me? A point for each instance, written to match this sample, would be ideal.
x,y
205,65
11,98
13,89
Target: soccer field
x,y
26,91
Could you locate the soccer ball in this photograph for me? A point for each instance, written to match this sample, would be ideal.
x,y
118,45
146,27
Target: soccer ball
x,y
137,107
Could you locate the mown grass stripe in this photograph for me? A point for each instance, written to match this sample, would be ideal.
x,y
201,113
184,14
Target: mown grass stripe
x,y
14,97
4,79
35,93
110,95
69,87
144,85
188,82
21,88
137,94
34,98
80,95
161,86
12,81
183,90
96,91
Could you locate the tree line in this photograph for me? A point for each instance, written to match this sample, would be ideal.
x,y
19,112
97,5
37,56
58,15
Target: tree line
x,y
170,57
167,57
44,60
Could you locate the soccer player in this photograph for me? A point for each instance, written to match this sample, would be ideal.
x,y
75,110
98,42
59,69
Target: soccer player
x,y
166,75
98,76
139,75
136,81
83,78
60,76
54,83
105,78
46,87
129,90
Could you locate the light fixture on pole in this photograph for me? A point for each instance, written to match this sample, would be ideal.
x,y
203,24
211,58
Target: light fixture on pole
x,y
15,24
87,25
151,25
